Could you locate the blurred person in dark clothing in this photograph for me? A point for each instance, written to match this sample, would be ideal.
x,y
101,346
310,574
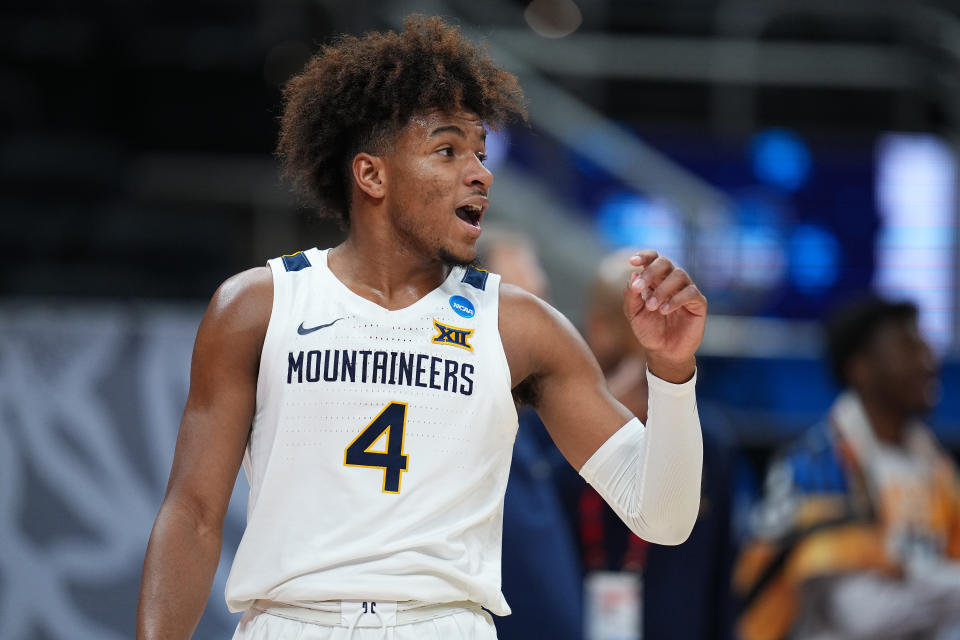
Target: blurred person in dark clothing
x,y
858,534
685,588
541,572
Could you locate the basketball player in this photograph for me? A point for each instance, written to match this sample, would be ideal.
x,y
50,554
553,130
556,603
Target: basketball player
x,y
367,388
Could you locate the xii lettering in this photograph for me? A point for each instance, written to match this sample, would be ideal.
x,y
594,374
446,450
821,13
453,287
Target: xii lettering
x,y
453,336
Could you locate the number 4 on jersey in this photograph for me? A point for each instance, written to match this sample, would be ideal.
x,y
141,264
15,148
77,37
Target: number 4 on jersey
x,y
393,420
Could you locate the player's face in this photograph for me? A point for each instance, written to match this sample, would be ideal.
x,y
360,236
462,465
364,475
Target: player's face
x,y
437,191
904,368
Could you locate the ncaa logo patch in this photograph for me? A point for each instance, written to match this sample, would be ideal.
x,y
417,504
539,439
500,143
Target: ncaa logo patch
x,y
454,336
462,307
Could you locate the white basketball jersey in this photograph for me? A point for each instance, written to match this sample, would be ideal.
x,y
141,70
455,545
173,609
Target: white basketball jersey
x,y
380,446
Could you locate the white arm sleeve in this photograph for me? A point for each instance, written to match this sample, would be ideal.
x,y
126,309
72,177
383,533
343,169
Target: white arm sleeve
x,y
650,475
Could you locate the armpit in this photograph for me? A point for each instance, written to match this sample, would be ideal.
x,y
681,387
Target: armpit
x,y
527,392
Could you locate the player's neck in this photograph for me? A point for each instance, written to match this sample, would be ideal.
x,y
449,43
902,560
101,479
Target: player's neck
x,y
888,423
386,273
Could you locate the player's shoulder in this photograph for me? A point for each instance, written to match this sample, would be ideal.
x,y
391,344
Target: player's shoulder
x,y
527,320
523,307
243,300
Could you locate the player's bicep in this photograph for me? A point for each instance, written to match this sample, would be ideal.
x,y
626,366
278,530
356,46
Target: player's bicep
x,y
221,401
561,378
574,403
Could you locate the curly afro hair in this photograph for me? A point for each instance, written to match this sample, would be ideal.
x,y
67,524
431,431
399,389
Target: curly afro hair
x,y
357,93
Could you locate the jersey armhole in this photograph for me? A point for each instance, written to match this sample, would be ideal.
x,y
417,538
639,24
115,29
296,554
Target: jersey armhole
x,y
280,296
493,289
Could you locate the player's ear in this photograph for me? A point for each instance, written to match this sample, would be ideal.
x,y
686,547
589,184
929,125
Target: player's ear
x,y
858,371
369,174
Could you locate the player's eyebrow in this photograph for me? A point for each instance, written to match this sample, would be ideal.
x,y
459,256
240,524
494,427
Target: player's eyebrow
x,y
452,128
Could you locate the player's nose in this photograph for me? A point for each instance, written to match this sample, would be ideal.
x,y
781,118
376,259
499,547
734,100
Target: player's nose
x,y
478,174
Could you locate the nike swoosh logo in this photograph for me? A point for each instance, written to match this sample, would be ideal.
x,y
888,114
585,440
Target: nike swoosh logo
x,y
303,331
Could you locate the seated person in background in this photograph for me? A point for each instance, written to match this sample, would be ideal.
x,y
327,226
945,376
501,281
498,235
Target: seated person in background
x,y
541,573
859,532
686,588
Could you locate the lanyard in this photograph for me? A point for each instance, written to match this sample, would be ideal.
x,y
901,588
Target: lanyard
x,y
593,533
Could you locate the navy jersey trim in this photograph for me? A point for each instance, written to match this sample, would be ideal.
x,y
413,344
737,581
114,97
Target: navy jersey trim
x,y
476,278
295,262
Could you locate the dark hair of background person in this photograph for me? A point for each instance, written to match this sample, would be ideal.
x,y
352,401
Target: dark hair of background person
x,y
357,93
850,328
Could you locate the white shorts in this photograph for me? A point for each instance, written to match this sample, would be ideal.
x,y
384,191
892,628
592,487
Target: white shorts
x,y
435,622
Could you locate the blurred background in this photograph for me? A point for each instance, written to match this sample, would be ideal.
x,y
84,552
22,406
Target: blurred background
x,y
787,153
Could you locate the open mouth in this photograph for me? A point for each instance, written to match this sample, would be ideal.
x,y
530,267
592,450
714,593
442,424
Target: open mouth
x,y
470,213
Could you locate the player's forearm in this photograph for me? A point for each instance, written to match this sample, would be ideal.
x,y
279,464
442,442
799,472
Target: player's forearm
x,y
651,475
178,572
